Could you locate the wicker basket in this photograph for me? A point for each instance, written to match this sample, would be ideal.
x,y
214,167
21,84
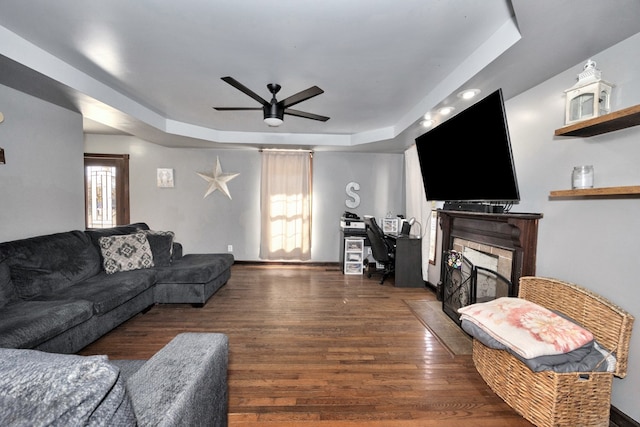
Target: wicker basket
x,y
553,399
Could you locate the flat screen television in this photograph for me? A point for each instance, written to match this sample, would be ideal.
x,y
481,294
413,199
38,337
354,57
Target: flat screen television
x,y
467,161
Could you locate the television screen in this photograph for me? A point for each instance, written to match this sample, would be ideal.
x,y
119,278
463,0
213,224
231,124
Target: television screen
x,y
468,158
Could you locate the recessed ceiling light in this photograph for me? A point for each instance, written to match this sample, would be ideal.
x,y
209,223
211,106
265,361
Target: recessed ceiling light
x,y
445,110
427,116
427,123
469,93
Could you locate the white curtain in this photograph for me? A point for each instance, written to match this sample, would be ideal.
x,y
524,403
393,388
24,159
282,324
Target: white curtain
x,y
417,206
285,203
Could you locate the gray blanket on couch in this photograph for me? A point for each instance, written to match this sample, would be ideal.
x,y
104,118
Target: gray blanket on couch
x,y
45,389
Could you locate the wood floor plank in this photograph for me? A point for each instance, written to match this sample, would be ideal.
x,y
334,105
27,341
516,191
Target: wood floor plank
x,y
310,346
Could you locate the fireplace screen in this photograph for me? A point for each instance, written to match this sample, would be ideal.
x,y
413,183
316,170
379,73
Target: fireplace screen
x,y
465,283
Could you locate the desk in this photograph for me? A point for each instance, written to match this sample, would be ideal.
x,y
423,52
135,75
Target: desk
x,y
408,272
408,268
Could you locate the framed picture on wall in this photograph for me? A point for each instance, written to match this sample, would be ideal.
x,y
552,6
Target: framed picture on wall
x,y
165,178
433,237
390,225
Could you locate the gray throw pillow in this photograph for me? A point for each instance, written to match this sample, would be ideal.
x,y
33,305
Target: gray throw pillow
x,y
126,252
161,243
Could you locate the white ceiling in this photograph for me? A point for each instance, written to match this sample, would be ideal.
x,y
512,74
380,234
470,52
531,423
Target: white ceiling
x,y
152,68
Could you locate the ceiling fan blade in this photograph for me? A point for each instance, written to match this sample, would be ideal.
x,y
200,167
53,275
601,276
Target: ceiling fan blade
x,y
236,108
233,82
301,96
305,115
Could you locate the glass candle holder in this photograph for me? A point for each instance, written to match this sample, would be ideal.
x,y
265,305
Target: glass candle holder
x,y
582,177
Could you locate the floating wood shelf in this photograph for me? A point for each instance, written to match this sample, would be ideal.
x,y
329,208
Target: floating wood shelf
x,y
627,191
617,120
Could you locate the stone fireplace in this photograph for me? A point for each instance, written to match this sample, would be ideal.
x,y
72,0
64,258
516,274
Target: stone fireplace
x,y
481,254
498,249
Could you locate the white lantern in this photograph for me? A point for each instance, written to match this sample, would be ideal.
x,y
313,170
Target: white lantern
x,y
590,97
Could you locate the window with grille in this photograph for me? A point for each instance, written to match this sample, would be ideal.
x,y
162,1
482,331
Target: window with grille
x,y
106,190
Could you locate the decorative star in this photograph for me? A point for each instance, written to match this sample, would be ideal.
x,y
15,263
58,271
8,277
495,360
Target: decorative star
x,y
218,180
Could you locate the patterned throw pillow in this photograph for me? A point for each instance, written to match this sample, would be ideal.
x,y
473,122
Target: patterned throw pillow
x,y
126,252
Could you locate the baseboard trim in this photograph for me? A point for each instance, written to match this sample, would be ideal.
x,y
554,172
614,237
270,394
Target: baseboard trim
x,y
620,419
291,263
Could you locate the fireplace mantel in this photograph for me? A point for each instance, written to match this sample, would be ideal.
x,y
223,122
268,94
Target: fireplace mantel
x,y
517,232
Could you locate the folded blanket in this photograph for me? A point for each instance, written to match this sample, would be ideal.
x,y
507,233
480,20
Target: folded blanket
x,y
591,357
528,329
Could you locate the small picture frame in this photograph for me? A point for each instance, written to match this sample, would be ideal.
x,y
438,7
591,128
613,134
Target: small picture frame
x,y
433,236
165,178
389,225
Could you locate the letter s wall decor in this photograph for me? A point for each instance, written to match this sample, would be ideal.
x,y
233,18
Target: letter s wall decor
x,y
354,201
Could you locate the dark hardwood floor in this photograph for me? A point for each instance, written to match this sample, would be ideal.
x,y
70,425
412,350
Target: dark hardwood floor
x,y
310,346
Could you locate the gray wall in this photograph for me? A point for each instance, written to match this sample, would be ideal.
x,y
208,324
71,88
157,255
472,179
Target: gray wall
x,y
589,242
584,241
41,188
211,224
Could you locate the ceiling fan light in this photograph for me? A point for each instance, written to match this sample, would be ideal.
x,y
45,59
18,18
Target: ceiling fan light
x,y
273,113
273,121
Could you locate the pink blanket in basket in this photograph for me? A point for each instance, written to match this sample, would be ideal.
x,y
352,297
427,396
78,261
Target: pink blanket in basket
x,y
527,328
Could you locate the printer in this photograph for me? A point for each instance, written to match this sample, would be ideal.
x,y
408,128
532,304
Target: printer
x,y
351,221
346,223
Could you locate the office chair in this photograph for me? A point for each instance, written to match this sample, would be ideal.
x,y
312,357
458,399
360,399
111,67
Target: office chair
x,y
383,249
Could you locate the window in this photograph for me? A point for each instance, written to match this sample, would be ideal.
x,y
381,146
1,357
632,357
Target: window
x,y
106,190
286,205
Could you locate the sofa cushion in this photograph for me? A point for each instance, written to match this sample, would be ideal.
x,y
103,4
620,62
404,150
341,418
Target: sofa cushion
x,y
107,291
26,324
7,290
161,243
176,251
50,389
195,268
183,384
48,263
125,253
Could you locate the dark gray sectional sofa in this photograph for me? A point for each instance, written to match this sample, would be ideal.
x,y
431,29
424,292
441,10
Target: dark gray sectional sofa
x,y
56,296
183,384
62,291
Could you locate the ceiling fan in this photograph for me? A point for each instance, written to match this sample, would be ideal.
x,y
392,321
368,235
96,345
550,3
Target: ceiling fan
x,y
275,110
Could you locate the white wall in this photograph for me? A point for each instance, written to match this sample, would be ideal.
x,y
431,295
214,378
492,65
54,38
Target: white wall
x,y
211,224
589,242
41,184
